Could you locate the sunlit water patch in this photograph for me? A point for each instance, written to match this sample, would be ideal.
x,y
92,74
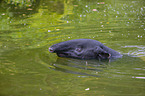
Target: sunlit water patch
x,y
139,77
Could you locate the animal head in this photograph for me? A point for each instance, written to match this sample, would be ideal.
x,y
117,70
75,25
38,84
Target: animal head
x,y
81,49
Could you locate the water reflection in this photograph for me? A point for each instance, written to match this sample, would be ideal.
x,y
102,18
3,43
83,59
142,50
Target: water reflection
x,y
81,67
75,66
20,9
139,77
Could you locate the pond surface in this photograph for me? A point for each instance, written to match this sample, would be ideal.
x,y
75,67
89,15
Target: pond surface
x,y
29,28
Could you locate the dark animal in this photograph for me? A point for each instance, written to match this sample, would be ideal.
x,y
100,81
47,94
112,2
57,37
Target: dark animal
x,y
84,49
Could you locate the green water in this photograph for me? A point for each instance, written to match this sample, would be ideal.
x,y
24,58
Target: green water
x,y
29,28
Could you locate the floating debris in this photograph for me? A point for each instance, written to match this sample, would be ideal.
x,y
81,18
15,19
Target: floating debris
x,y
87,89
94,10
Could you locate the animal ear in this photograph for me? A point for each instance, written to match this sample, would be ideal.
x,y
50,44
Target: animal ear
x,y
104,55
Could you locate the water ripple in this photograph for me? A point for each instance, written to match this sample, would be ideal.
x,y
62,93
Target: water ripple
x,y
73,66
136,50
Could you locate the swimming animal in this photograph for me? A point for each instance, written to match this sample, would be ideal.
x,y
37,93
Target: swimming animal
x,y
84,49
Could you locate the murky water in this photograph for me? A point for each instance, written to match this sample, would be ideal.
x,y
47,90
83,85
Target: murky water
x,y
29,28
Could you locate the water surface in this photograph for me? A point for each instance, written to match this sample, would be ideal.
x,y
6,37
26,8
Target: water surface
x,y
28,29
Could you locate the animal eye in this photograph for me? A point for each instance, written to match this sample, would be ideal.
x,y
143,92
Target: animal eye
x,y
101,47
78,49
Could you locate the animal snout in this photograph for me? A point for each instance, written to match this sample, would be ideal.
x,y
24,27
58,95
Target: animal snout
x,y
51,49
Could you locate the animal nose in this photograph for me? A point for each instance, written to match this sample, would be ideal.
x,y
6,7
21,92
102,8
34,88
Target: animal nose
x,y
51,49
